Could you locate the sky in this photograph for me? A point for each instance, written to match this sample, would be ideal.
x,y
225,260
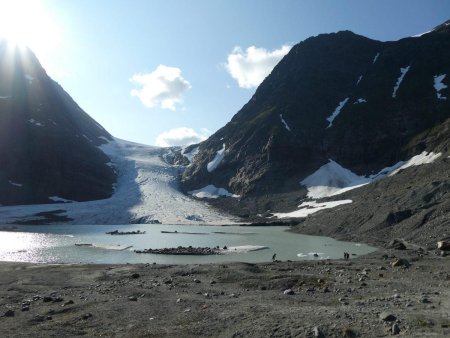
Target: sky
x,y
172,72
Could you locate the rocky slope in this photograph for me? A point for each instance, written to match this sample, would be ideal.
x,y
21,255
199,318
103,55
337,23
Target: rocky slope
x,y
365,104
48,144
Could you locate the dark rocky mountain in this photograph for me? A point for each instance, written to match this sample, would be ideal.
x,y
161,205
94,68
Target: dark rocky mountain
x,y
48,144
365,104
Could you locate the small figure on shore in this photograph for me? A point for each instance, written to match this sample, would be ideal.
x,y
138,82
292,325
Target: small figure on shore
x,y
274,257
346,256
316,255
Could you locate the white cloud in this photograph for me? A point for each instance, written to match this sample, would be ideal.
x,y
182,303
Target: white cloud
x,y
163,87
181,136
250,67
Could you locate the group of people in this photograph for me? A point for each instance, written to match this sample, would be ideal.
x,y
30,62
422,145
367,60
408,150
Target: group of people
x,y
346,255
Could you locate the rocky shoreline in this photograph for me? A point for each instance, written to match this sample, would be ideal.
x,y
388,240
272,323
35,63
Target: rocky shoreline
x,y
369,296
182,250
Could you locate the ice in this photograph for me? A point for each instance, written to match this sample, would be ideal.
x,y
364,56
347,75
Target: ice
x,y
285,124
336,112
375,58
359,101
190,155
4,97
211,166
332,179
403,72
15,184
59,199
308,208
147,189
359,80
438,85
243,248
211,191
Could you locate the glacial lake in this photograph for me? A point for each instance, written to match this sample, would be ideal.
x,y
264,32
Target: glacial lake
x,y
56,244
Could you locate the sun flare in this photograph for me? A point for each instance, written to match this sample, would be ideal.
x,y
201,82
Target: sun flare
x,y
28,23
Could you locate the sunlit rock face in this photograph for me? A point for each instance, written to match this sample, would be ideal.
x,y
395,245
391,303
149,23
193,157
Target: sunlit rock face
x,y
362,103
48,144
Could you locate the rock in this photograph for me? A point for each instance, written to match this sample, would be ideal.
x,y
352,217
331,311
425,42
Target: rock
x,y
36,298
444,245
135,276
9,313
400,262
25,308
69,302
387,317
317,332
289,292
86,316
47,299
57,299
132,298
397,244
197,280
395,329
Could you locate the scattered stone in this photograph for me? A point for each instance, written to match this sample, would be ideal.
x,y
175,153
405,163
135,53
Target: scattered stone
x,y
132,298
317,332
47,299
387,317
49,318
69,302
135,276
397,244
444,245
86,316
395,329
25,308
197,280
400,262
289,292
57,299
9,313
36,298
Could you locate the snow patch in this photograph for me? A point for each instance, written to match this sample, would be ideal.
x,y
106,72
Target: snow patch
x,y
438,85
29,78
359,80
211,166
336,112
375,58
422,158
403,72
4,97
103,138
191,154
332,179
87,138
285,124
308,208
59,199
36,123
359,101
15,184
211,191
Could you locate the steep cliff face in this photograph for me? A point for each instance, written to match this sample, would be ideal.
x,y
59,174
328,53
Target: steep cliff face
x,y
365,104
48,144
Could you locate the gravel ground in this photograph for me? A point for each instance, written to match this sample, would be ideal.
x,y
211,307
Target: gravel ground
x,y
362,297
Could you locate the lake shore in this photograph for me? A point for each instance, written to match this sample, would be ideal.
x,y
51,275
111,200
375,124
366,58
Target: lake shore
x,y
335,298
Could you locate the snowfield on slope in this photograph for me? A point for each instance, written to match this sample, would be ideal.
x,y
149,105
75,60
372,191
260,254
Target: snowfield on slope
x,y
147,190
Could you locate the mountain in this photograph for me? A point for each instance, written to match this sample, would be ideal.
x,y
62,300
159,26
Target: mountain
x,y
48,144
339,98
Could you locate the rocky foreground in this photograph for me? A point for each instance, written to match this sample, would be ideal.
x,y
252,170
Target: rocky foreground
x,y
364,297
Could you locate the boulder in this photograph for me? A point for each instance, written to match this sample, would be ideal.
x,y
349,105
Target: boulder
x,y
444,245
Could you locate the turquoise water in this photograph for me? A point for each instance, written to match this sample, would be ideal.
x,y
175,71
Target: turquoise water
x,y
56,244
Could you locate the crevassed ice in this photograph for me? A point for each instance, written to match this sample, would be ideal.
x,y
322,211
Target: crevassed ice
x,y
211,191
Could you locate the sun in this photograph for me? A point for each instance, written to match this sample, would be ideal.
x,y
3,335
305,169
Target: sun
x,y
28,23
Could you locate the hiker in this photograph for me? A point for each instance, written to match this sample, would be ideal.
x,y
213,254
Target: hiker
x,y
273,257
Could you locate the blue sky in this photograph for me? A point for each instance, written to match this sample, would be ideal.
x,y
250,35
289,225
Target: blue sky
x,y
144,67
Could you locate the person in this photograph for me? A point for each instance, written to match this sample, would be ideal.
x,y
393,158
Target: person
x,y
273,257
